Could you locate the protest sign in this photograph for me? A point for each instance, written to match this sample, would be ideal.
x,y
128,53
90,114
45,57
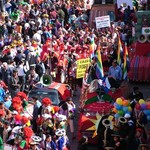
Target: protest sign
x,y
102,22
82,65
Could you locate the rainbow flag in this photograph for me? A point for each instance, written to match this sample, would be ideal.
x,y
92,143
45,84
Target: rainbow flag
x,y
126,63
99,67
92,48
120,52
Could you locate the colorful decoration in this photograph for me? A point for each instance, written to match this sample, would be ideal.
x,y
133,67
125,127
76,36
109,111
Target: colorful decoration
x,y
144,106
121,107
96,123
46,101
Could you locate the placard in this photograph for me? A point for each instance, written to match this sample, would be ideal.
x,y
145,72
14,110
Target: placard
x,y
82,65
124,3
102,22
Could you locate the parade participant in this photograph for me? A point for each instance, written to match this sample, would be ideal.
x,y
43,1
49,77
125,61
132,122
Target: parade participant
x,y
116,141
82,144
136,94
67,109
92,70
116,72
62,140
143,147
48,144
6,131
140,137
24,98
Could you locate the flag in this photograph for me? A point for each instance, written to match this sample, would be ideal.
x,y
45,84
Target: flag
x,y
91,98
126,62
92,48
120,52
99,67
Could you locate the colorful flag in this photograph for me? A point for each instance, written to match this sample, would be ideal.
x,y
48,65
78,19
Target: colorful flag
x,y
126,62
120,52
99,67
91,98
92,48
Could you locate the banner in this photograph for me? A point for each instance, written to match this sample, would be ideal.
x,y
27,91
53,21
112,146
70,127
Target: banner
x,y
124,3
82,65
102,22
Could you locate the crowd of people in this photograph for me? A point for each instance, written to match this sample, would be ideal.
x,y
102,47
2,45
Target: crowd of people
x,y
46,37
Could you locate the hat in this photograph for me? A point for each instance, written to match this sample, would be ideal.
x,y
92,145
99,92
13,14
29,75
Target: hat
x,y
140,130
36,138
106,123
2,112
14,112
122,120
32,66
16,129
144,145
127,116
60,132
62,117
46,116
33,143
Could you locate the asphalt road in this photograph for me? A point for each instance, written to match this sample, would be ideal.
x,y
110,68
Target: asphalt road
x,y
144,88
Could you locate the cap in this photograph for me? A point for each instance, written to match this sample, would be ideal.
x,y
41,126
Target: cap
x,y
32,66
61,117
46,116
14,112
127,116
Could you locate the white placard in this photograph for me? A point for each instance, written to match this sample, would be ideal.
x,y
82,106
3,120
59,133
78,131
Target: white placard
x,y
102,22
146,30
125,3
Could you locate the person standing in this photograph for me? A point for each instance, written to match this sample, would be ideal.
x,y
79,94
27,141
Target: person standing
x,y
115,71
21,74
14,84
6,73
39,67
37,105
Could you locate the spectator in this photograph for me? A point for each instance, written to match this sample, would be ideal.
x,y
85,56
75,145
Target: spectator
x,y
14,83
37,105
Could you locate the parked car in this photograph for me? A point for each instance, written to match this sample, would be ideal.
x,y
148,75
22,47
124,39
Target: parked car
x,y
57,92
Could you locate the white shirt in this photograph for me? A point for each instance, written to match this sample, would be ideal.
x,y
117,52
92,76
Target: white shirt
x,y
21,70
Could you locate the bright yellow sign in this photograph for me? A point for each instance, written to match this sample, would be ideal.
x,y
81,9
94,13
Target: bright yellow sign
x,y
82,65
